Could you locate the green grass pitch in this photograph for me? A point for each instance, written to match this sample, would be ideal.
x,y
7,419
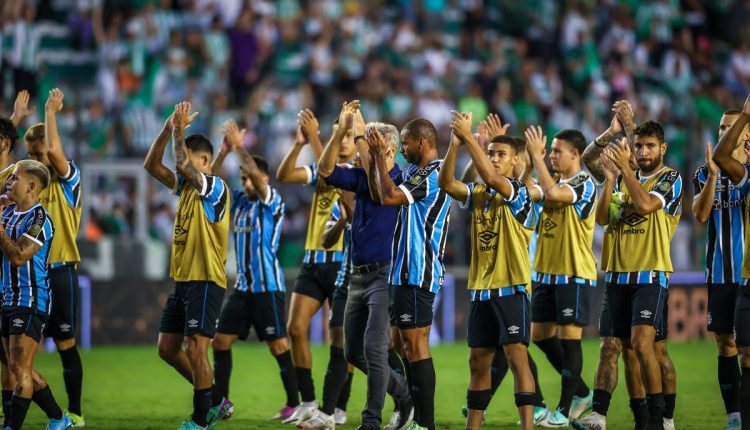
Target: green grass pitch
x,y
131,388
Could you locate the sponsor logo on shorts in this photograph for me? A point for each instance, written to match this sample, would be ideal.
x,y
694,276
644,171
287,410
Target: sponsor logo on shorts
x,y
567,312
646,314
513,329
710,318
18,322
193,323
64,327
270,330
405,318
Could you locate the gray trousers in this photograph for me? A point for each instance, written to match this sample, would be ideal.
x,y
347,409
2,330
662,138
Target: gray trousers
x,y
366,334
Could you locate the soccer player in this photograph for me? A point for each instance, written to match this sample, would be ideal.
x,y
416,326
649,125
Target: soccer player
x,y
502,223
721,203
417,270
317,278
366,317
259,299
25,242
738,174
62,200
565,267
199,252
647,209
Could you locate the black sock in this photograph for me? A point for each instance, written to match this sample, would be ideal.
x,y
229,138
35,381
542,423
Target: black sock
x,y
552,348
18,409
570,372
410,383
538,397
655,410
423,376
601,401
669,401
7,395
216,396
305,384
201,405
729,383
334,380
73,376
288,378
394,361
46,402
498,370
222,370
346,391
745,395
640,413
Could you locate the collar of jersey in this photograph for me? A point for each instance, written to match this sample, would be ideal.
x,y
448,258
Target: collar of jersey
x,y
646,178
565,181
15,212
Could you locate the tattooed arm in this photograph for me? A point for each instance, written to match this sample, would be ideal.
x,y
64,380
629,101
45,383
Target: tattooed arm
x,y
181,118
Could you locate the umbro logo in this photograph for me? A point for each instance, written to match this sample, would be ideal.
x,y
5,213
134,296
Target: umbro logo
x,y
18,322
548,224
633,219
567,312
64,327
405,318
270,330
646,314
179,231
710,318
324,203
513,329
487,236
193,323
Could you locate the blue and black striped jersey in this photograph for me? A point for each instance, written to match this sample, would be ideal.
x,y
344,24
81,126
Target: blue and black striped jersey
x,y
27,285
257,227
421,229
726,227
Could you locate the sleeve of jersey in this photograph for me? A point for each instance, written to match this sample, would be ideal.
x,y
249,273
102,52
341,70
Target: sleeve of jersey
x,y
215,198
467,204
699,180
273,198
520,203
419,186
71,185
39,229
312,174
744,185
179,184
669,191
585,197
346,178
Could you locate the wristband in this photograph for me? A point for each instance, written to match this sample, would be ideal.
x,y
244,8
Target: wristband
x,y
596,142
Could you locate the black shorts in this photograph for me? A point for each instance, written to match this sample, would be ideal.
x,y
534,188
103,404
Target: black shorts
x,y
561,303
499,321
264,312
22,321
317,280
721,301
63,282
338,305
662,330
742,317
412,306
605,318
192,308
631,305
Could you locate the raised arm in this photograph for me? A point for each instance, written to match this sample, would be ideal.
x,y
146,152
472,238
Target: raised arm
x,y
643,201
154,159
446,180
591,155
311,131
21,108
234,138
181,118
624,113
389,194
461,127
732,168
288,172
536,143
358,129
330,153
610,176
703,199
54,145
220,157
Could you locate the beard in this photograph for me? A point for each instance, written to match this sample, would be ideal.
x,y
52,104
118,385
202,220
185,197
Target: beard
x,y
650,167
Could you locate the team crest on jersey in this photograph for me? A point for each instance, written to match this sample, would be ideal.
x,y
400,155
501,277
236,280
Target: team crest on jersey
x,y
664,186
415,180
577,180
34,230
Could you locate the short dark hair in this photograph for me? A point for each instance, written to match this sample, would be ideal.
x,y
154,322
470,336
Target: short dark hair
x,y
423,128
732,112
520,143
574,138
518,146
8,131
650,128
261,163
199,143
